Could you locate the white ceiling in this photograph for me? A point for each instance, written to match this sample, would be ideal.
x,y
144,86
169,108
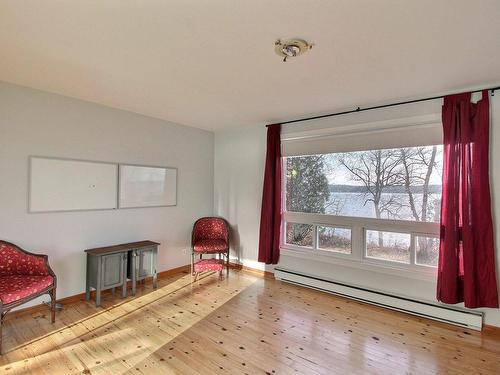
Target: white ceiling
x,y
211,63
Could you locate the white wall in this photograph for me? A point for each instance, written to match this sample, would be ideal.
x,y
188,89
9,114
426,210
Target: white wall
x,y
38,123
239,157
239,163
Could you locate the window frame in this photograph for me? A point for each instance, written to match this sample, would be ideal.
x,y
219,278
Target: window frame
x,y
358,226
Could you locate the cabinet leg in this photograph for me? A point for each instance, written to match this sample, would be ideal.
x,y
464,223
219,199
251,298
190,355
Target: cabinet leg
x,y
134,274
98,297
99,282
124,289
134,283
87,280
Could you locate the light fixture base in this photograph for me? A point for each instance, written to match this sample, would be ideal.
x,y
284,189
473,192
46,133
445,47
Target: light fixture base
x,y
291,48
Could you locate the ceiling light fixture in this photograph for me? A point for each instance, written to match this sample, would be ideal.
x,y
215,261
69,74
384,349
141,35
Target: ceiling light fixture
x,y
291,48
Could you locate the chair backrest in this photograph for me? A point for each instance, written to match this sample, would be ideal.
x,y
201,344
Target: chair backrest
x,y
16,261
210,228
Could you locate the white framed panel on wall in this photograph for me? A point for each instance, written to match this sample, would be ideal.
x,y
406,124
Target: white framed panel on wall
x,y
57,184
146,186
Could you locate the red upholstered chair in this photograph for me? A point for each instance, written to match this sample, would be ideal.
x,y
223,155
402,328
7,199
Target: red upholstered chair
x,y
23,277
210,236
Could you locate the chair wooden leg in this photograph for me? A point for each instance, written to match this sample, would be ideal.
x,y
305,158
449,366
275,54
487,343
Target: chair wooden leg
x,y
1,324
53,305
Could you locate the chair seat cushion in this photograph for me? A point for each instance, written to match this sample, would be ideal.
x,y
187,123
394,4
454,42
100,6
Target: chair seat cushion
x,y
17,287
204,265
210,246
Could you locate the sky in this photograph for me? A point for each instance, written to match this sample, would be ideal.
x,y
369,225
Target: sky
x,y
339,175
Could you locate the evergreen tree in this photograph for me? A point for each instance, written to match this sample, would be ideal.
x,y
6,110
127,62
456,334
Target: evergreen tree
x,y
306,191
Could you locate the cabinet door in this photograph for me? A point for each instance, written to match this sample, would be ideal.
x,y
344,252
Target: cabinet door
x,y
112,270
144,263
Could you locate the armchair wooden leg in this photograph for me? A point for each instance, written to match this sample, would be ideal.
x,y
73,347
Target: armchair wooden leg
x,y
53,305
1,324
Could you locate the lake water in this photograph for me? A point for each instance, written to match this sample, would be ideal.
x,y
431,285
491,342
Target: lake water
x,y
354,204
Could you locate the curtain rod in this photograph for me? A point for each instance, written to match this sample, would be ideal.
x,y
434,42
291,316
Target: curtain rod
x,y
358,109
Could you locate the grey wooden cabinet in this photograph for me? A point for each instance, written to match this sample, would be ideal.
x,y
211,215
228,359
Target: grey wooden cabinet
x,y
109,267
142,264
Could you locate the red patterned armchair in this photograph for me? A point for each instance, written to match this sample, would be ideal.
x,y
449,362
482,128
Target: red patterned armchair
x,y
210,236
23,277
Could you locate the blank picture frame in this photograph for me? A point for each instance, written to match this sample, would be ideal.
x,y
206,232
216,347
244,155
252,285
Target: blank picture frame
x,y
57,184
146,186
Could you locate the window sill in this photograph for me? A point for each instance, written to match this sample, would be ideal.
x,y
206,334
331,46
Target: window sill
x,y
423,273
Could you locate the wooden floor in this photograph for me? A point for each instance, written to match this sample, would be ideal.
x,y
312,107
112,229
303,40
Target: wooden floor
x,y
244,324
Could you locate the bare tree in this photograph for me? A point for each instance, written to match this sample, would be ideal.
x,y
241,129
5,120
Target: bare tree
x,y
418,165
376,170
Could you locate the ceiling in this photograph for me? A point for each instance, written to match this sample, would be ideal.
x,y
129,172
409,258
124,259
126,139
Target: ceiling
x,y
211,63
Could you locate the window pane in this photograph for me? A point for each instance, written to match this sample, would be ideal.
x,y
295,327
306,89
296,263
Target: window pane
x,y
390,246
334,239
427,251
398,184
299,234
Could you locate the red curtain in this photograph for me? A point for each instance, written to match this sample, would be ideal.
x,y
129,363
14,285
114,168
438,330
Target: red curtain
x,y
466,271
270,216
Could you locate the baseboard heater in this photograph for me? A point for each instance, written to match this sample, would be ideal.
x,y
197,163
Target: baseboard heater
x,y
442,313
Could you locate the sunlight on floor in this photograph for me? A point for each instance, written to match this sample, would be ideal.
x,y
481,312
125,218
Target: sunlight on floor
x,y
119,336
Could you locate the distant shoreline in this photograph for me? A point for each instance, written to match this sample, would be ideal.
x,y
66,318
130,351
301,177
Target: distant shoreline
x,y
433,189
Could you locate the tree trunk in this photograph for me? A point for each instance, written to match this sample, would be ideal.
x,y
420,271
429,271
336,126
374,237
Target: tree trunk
x,y
425,192
378,214
424,243
407,180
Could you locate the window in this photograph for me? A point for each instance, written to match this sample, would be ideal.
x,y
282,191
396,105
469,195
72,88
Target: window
x,y
299,234
334,239
389,246
376,206
427,250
